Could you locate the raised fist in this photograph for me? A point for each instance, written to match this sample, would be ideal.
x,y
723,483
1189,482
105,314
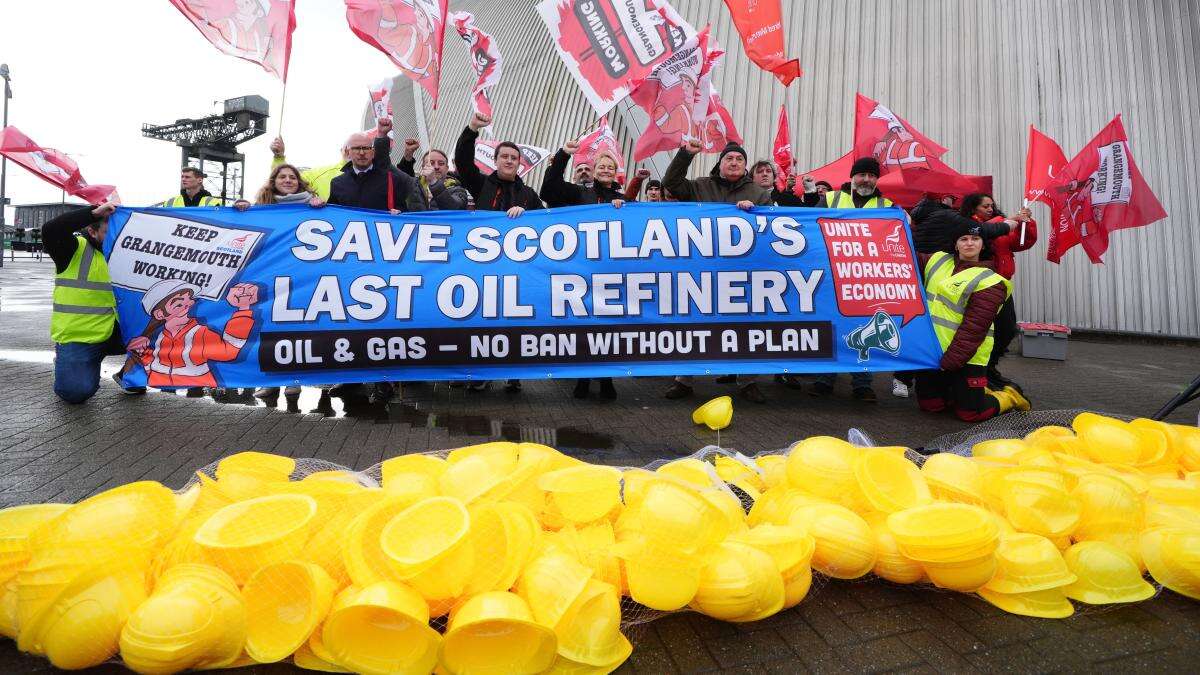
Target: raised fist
x,y
479,121
242,296
571,147
643,173
693,146
411,145
384,124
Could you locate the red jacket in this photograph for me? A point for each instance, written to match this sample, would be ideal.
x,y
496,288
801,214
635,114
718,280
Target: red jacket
x,y
1004,246
981,311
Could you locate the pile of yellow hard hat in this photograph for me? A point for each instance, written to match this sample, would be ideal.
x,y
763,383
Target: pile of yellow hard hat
x,y
516,558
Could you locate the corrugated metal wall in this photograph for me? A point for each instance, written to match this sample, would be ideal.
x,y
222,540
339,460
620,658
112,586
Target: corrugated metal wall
x,y
971,74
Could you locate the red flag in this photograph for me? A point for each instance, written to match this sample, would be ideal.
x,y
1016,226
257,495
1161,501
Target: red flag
x,y
254,30
782,153
485,59
52,166
601,139
899,147
1043,160
608,45
1099,191
894,185
711,120
409,32
670,96
760,23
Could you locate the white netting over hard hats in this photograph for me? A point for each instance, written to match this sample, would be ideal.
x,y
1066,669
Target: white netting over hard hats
x,y
519,558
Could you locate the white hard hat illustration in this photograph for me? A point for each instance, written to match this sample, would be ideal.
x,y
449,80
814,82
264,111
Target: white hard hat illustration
x,y
163,290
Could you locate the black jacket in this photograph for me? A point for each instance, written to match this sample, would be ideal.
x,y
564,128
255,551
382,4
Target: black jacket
x,y
369,190
491,193
556,191
58,236
936,227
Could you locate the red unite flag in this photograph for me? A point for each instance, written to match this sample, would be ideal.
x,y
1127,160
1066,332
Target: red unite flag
x,y
1098,192
893,185
52,166
1042,162
254,30
711,120
601,139
782,152
409,32
900,148
485,60
610,45
760,23
670,96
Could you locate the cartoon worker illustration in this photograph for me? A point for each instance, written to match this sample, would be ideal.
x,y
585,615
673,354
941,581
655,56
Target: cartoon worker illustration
x,y
672,112
176,349
410,45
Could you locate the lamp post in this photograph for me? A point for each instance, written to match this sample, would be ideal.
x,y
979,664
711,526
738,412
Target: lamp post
x,y
3,160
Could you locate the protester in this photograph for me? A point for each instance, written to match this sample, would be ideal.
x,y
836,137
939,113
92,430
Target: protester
x,y
966,294
821,187
369,181
500,190
603,190
285,185
582,173
729,183
654,190
439,188
83,323
191,190
936,224
860,192
982,208
635,185
317,178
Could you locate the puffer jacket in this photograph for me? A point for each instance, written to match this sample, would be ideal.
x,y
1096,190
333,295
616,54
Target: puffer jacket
x,y
556,191
938,226
978,316
491,192
711,188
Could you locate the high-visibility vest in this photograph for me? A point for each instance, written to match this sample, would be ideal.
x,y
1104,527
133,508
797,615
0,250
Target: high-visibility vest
x,y
84,307
948,294
842,200
177,202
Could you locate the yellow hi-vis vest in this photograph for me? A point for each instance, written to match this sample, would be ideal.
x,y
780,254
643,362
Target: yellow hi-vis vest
x,y
84,307
842,200
948,294
177,202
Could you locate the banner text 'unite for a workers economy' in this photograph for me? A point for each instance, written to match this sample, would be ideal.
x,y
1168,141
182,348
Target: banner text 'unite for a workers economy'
x,y
292,294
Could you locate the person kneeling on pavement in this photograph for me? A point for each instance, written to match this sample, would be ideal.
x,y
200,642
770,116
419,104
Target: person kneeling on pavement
x,y
84,322
965,294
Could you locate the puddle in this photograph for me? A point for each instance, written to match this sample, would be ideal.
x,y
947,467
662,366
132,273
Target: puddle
x,y
314,400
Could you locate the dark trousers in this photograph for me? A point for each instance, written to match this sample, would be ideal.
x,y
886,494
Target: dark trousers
x,y
1006,329
963,390
77,367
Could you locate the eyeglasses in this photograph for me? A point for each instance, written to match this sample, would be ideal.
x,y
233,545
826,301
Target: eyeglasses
x,y
361,148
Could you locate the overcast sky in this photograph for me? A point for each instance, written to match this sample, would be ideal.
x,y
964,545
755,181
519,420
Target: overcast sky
x,y
87,73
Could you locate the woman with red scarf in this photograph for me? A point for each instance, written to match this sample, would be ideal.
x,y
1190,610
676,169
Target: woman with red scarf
x,y
982,208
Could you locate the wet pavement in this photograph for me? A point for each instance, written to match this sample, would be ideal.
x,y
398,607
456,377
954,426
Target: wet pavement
x,y
50,451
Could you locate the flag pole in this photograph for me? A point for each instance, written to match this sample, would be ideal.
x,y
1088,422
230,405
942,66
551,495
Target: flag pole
x,y
282,104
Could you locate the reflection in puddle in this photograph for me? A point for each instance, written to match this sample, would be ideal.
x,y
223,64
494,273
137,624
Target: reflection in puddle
x,y
314,400
357,406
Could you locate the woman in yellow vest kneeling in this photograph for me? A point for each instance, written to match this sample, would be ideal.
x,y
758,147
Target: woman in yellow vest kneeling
x,y
964,296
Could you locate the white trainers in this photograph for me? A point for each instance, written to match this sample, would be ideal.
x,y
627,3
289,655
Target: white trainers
x,y
899,389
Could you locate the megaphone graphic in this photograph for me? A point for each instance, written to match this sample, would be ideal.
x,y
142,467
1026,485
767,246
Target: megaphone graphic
x,y
879,333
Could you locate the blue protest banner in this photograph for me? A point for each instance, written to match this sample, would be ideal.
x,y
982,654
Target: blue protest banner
x,y
291,294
